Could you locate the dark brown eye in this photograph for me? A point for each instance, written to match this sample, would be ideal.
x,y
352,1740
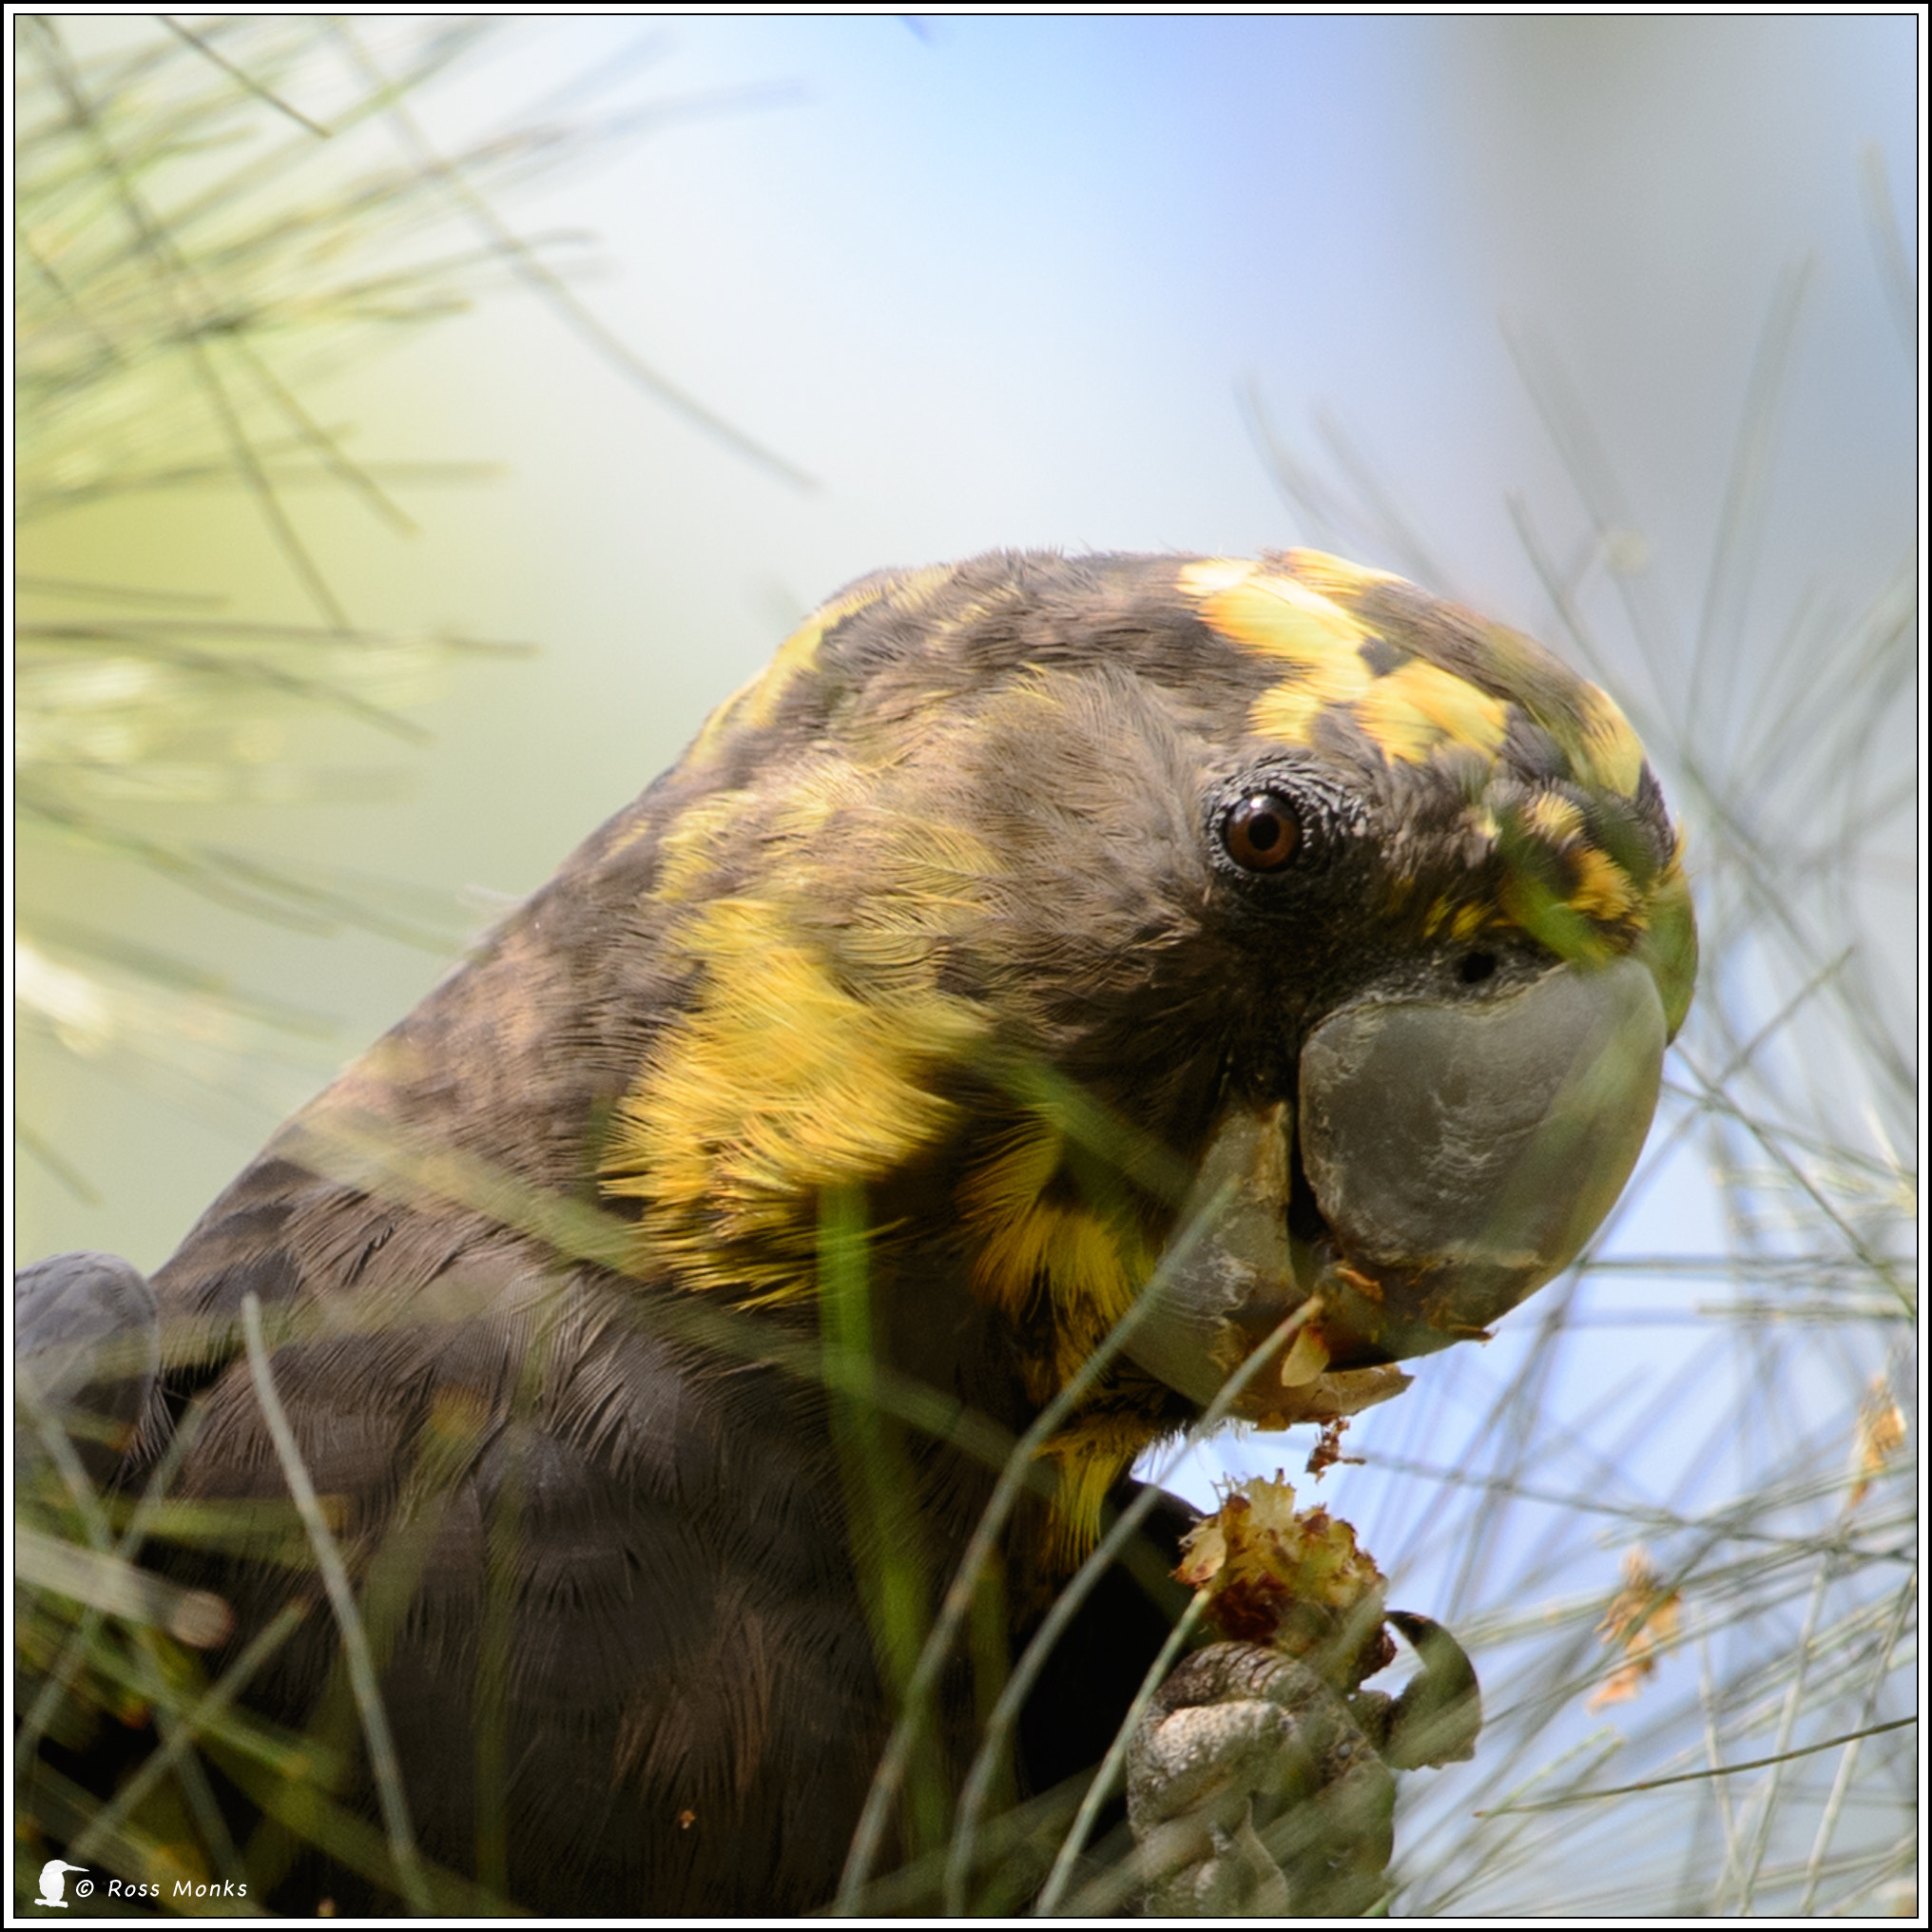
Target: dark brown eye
x,y
1262,833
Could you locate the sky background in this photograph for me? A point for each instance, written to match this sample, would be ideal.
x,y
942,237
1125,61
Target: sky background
x,y
1001,281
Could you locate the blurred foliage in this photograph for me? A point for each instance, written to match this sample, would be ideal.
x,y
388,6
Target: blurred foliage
x,y
1680,1538
205,219
213,219
1741,1440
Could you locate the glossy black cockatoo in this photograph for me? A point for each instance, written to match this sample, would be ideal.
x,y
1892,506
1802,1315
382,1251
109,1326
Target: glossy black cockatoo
x,y
1220,940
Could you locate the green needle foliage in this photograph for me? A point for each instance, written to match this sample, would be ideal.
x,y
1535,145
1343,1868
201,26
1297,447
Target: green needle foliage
x,y
207,219
1673,1510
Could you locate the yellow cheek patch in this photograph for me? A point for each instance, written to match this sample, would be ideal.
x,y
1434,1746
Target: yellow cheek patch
x,y
925,873
1279,617
1092,1456
792,660
712,732
1419,706
688,851
798,655
1090,1264
779,1083
1272,615
1603,889
754,704
1023,1242
1069,1252
1003,1190
1208,576
704,835
1287,713
1332,576
1611,757
1460,919
1554,819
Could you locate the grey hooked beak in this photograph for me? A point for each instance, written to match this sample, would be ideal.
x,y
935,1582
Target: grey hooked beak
x,y
1458,1154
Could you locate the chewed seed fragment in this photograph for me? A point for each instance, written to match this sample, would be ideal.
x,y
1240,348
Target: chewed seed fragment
x,y
1291,1580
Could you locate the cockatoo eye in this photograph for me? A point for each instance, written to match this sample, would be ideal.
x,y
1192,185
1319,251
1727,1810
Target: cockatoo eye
x,y
1262,833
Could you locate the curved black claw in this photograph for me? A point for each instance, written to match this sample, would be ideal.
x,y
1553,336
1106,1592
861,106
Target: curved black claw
x,y
1436,1718
86,1351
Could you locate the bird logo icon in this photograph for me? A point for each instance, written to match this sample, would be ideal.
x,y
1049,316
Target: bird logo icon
x,y
53,1878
